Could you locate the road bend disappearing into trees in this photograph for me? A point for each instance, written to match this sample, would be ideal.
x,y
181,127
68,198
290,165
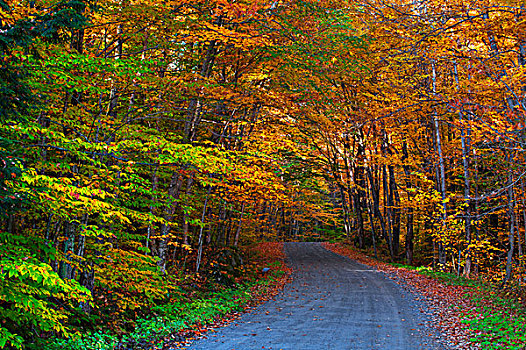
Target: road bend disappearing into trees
x,y
332,303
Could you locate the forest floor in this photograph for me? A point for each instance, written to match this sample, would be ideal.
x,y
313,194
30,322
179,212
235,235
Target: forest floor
x,y
332,303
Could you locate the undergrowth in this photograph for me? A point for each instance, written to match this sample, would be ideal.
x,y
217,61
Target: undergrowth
x,y
186,314
170,318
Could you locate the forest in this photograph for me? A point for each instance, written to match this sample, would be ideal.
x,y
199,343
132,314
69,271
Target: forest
x,y
151,151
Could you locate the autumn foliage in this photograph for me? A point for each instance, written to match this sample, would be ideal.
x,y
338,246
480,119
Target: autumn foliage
x,y
145,144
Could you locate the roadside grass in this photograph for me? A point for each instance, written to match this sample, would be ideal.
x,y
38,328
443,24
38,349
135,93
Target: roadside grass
x,y
451,279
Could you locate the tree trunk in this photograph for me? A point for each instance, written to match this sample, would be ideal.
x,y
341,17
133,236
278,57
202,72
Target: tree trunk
x,y
376,203
442,172
162,248
189,183
346,212
523,212
371,219
238,231
388,205
395,202
150,229
409,236
465,141
200,239
511,235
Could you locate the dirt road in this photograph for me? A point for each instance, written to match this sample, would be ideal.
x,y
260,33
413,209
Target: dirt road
x,y
332,303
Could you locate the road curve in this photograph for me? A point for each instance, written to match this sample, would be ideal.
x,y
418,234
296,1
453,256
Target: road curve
x,y
332,303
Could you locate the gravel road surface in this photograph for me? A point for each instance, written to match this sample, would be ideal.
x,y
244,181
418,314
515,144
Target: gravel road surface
x,y
332,303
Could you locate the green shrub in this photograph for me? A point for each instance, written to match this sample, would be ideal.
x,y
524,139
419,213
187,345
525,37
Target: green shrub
x,y
168,319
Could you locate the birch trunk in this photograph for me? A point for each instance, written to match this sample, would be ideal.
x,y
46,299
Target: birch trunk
x,y
442,171
465,141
